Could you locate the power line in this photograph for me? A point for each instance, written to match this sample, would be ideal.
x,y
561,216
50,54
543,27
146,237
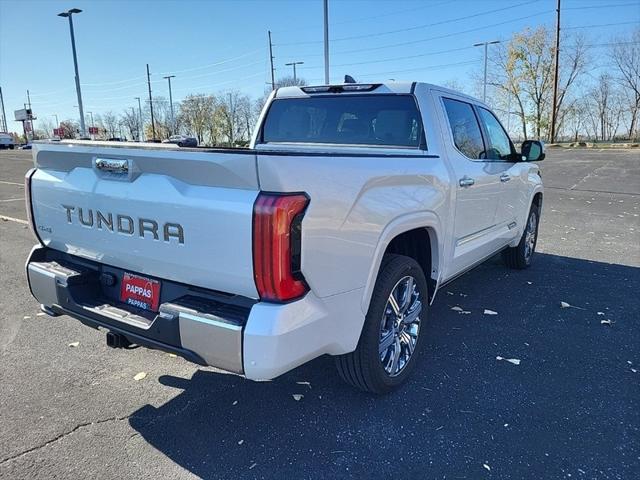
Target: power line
x,y
430,67
374,17
416,27
412,42
610,44
407,57
215,64
383,60
600,25
454,34
602,6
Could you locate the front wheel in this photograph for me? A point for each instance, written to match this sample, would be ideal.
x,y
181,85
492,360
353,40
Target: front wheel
x,y
390,340
520,256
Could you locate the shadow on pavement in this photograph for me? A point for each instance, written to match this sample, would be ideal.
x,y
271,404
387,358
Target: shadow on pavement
x,y
571,406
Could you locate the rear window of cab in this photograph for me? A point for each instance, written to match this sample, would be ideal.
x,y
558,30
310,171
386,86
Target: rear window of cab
x,y
379,120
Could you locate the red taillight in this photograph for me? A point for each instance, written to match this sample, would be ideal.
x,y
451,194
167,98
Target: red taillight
x,y
277,220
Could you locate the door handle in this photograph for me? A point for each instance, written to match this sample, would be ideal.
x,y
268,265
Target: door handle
x,y
505,177
466,181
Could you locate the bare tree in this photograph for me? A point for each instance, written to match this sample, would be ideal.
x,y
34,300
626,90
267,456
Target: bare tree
x,y
161,118
626,56
605,108
111,124
69,128
46,128
196,114
130,121
233,108
522,73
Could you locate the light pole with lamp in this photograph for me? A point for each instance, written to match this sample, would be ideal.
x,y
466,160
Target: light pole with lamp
x,y
68,14
486,45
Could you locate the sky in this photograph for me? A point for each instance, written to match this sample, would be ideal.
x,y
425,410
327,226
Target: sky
x,y
217,45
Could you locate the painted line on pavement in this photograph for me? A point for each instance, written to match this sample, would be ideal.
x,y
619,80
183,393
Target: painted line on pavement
x,y
11,219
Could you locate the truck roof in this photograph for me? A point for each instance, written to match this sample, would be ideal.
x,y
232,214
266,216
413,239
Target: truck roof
x,y
389,87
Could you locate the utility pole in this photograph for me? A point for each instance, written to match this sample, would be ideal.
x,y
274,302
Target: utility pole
x,y
173,118
68,14
484,83
4,115
326,42
231,119
153,125
295,78
57,123
141,124
552,137
273,80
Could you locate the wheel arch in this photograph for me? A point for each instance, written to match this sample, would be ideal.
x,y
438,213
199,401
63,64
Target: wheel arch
x,y
404,235
536,199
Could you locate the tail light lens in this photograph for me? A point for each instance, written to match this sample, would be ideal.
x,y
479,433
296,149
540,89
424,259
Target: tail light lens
x,y
277,220
27,199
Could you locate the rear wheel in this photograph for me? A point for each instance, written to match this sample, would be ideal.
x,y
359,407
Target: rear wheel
x,y
520,256
390,340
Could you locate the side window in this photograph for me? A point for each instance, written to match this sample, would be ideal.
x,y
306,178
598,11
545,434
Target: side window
x,y
499,143
464,127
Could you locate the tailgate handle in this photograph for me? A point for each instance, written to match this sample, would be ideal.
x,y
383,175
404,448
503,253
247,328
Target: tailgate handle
x,y
112,165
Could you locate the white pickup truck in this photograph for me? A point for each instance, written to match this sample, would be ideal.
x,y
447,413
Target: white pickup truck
x,y
331,234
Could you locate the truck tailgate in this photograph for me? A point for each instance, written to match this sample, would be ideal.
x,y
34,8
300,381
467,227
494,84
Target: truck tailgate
x,y
182,215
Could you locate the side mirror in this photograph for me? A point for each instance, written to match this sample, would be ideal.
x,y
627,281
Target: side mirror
x,y
532,151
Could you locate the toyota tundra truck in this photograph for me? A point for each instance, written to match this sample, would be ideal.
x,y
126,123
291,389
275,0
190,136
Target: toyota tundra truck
x,y
330,235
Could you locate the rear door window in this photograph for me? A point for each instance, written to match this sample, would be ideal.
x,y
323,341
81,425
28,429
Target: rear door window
x,y
465,129
381,120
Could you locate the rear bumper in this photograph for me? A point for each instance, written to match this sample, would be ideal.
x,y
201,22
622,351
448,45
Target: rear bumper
x,y
259,340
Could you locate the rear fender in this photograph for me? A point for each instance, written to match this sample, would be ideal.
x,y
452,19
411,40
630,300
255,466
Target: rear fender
x,y
402,224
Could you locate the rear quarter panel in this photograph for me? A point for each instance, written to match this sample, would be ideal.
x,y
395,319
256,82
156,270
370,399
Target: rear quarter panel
x,y
354,199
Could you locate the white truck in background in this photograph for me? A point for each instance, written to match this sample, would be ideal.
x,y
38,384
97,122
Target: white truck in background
x,y
6,141
331,234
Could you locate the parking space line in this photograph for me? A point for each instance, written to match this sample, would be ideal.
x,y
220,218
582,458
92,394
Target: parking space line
x,y
11,199
11,219
12,183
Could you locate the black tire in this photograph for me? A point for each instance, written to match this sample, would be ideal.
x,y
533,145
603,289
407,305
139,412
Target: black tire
x,y
363,368
520,257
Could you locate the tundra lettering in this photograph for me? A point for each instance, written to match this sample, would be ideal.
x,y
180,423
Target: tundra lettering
x,y
331,234
125,224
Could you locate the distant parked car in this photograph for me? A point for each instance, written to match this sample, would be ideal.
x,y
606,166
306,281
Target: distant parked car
x,y
6,141
26,147
182,141
116,139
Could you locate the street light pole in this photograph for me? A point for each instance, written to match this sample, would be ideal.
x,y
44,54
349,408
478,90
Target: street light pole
x,y
141,136
68,14
133,113
484,86
326,42
173,118
4,126
295,78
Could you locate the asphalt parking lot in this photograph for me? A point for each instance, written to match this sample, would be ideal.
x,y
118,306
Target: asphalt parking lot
x,y
570,409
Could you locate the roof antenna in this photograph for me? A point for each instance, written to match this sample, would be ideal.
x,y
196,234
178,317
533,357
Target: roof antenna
x,y
349,79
